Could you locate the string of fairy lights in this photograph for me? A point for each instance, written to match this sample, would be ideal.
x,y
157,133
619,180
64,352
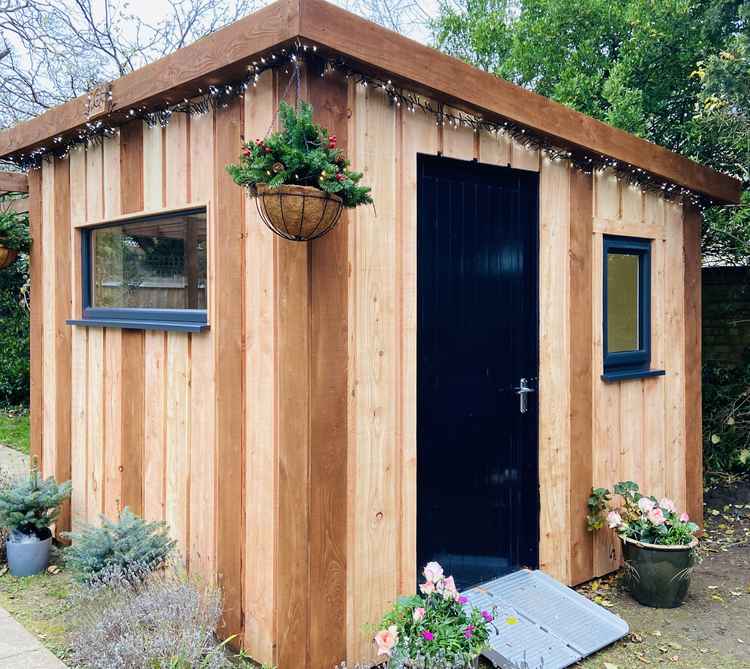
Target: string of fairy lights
x,y
290,60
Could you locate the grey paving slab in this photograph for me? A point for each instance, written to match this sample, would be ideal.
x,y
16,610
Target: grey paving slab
x,y
19,649
14,462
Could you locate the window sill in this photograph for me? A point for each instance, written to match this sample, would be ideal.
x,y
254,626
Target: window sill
x,y
127,324
624,375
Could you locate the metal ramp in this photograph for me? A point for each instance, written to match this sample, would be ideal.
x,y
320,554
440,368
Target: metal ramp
x,y
541,624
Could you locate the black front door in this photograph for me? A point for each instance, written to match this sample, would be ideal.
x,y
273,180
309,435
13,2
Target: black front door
x,y
478,498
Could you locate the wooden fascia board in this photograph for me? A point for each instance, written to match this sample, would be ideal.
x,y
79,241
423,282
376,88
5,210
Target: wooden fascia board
x,y
436,73
13,182
214,59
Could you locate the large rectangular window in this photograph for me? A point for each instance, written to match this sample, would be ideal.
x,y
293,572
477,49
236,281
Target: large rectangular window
x,y
627,308
148,272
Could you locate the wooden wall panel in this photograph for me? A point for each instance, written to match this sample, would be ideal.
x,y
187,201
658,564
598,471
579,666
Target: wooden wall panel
x,y
418,134
554,348
581,366
201,552
328,404
36,326
133,341
154,347
261,481
692,220
48,284
79,348
374,454
229,212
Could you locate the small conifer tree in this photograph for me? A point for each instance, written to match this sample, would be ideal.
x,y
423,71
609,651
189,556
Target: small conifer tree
x,y
130,546
31,505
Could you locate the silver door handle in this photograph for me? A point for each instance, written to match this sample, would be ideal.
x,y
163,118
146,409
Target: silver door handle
x,y
523,391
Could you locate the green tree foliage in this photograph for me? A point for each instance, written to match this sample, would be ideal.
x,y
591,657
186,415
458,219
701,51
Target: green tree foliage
x,y
32,504
129,546
302,154
14,333
672,71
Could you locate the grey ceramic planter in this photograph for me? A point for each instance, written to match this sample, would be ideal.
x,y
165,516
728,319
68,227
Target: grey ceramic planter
x,y
658,576
26,558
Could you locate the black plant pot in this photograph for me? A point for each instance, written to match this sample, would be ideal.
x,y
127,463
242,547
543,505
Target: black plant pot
x,y
658,576
28,554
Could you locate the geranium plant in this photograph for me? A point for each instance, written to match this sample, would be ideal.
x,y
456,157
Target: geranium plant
x,y
14,231
302,154
642,518
433,628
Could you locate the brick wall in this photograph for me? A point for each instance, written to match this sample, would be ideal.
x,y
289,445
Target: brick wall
x,y
726,315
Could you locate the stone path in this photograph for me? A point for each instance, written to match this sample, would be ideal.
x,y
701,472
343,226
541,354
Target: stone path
x,y
14,462
19,649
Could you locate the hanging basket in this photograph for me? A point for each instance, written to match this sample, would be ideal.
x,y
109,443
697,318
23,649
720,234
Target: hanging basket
x,y
7,256
298,213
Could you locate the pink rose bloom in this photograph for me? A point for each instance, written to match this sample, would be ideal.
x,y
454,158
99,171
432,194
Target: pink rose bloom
x,y
462,600
614,520
668,505
645,504
386,640
488,617
469,632
433,572
655,516
684,517
418,614
427,635
427,588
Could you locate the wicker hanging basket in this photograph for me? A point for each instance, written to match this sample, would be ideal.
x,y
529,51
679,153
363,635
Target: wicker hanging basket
x,y
298,213
7,256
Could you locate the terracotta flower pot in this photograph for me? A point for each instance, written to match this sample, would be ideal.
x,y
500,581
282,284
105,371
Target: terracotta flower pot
x,y
298,213
658,576
7,256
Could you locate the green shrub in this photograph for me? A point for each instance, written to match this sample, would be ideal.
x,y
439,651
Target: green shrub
x,y
14,231
726,419
14,334
32,504
129,546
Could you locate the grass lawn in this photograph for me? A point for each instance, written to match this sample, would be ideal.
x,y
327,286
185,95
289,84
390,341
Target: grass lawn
x,y
14,429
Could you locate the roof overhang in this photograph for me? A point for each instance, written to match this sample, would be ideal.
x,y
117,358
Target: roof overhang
x,y
225,55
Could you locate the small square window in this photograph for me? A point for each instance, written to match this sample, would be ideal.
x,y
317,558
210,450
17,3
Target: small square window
x,y
148,272
627,308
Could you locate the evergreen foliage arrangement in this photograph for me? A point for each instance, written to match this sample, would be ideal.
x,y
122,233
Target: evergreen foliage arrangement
x,y
129,545
32,504
302,154
14,231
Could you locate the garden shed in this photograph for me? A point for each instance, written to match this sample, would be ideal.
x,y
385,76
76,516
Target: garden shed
x,y
442,376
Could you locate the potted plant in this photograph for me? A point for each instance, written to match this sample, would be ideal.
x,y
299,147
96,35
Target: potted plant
x,y
299,177
27,509
433,628
658,543
14,237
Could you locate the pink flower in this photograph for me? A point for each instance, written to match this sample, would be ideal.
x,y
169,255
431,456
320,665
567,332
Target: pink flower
x,y
433,572
418,614
462,600
427,588
684,517
645,504
386,640
614,520
427,635
488,617
469,632
449,589
655,516
668,505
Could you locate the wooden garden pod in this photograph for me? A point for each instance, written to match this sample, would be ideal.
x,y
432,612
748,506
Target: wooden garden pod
x,y
316,419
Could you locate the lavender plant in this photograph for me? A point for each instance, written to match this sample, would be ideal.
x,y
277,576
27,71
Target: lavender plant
x,y
135,618
6,481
